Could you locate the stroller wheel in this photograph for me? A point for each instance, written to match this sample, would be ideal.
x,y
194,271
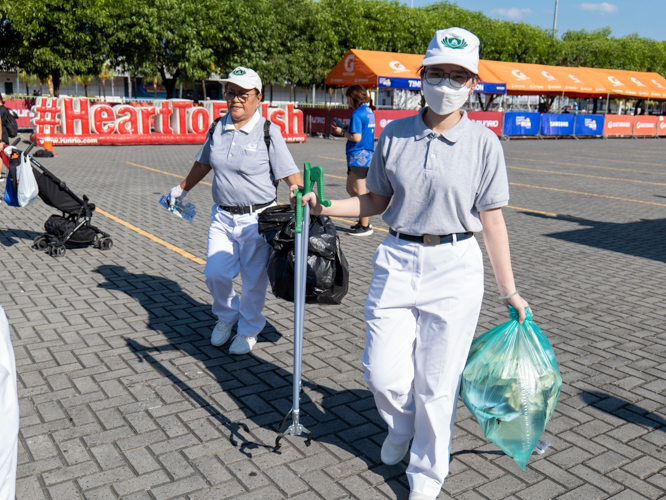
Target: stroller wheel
x,y
96,240
58,251
106,243
40,242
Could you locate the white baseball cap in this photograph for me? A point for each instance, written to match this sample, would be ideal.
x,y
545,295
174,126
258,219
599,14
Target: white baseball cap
x,y
454,46
245,78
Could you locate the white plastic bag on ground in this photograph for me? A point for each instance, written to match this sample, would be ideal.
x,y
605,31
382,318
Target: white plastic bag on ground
x,y
9,413
27,185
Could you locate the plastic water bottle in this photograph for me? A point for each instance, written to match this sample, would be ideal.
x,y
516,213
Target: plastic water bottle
x,y
182,208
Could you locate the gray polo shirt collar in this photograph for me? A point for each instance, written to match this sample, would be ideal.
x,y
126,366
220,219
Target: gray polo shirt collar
x,y
247,128
421,130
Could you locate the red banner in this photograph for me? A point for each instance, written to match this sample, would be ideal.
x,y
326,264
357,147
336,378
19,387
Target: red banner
x,y
618,125
645,125
316,120
76,121
22,107
385,116
490,119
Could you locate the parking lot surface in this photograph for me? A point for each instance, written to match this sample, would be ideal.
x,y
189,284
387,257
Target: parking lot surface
x,y
122,395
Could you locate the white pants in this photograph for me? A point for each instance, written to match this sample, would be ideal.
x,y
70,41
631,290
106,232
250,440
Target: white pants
x,y
235,246
9,413
421,313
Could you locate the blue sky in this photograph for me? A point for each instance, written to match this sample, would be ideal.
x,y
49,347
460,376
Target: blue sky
x,y
644,17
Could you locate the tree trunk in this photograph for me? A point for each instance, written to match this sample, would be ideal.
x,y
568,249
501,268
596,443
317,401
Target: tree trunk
x,y
50,86
85,89
203,86
291,92
56,83
104,88
271,94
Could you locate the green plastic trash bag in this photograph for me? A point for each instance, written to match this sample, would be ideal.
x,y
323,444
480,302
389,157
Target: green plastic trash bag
x,y
511,384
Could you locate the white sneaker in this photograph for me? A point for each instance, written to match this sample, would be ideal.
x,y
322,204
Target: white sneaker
x,y
221,333
242,344
415,495
392,454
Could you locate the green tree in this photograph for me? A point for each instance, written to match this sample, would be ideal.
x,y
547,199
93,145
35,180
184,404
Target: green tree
x,y
170,38
54,38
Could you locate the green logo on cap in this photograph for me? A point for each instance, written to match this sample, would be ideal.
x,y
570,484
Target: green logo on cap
x,y
454,43
238,72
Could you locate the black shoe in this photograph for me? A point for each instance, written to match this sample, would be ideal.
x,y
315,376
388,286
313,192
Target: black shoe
x,y
359,230
352,228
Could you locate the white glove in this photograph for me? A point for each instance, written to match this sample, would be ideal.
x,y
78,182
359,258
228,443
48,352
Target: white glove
x,y
177,193
8,150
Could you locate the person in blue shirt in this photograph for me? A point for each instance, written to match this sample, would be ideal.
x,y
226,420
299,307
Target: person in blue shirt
x,y
360,148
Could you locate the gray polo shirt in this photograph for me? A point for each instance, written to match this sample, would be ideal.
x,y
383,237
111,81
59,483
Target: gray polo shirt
x,y
438,183
239,160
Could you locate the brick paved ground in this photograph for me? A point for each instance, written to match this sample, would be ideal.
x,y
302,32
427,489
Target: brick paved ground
x,y
123,397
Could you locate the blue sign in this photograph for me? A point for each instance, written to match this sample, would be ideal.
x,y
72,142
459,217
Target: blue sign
x,y
399,83
490,88
557,124
589,125
516,123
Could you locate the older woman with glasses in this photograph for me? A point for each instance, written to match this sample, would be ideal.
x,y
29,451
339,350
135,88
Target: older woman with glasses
x,y
440,178
246,171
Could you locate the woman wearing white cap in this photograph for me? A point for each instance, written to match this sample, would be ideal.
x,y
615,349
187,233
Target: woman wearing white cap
x,y
445,179
247,156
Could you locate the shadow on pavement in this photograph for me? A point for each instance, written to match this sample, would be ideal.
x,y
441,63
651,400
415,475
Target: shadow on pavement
x,y
11,237
260,390
625,410
640,238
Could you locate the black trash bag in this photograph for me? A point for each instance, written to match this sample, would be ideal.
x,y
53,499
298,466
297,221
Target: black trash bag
x,y
327,271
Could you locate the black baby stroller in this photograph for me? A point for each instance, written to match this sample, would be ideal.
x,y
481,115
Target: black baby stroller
x,y
73,226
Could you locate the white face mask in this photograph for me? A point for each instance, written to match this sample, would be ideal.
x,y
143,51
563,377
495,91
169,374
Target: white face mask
x,y
444,99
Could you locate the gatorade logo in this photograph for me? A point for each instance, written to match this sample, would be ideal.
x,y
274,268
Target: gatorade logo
x,y
637,82
519,75
454,43
615,81
575,79
548,76
618,124
238,72
349,63
658,84
398,67
645,125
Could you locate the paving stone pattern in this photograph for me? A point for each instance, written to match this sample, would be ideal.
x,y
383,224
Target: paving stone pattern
x,y
122,396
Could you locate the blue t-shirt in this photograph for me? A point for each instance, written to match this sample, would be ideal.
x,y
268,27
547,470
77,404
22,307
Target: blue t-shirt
x,y
362,122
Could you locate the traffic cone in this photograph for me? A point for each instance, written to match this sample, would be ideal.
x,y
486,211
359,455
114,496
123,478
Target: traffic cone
x,y
48,145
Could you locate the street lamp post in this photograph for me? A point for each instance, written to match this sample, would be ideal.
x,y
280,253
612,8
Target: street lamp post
x,y
555,17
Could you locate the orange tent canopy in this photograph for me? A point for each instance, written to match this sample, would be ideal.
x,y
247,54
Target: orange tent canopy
x,y
373,69
632,83
538,79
